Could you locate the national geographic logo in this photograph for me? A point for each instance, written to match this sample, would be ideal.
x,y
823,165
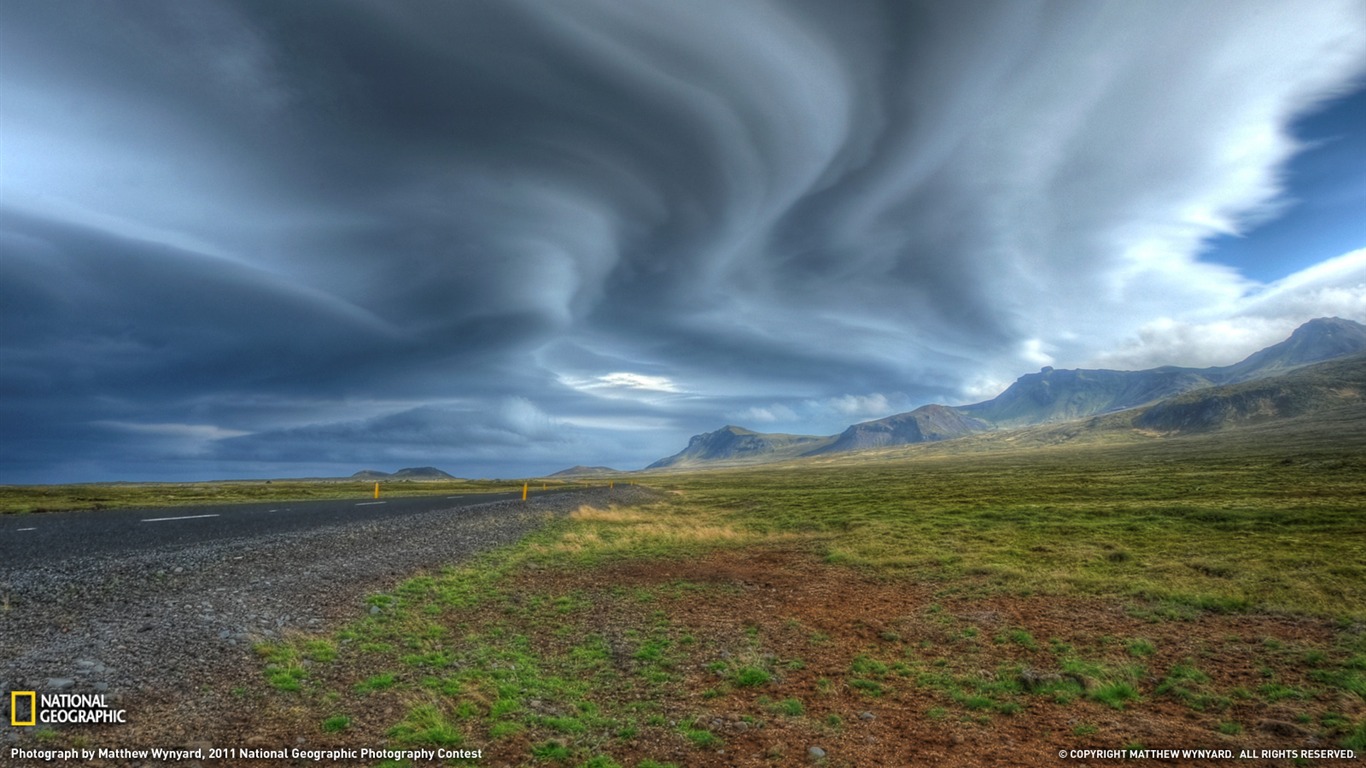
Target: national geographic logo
x,y
15,718
28,708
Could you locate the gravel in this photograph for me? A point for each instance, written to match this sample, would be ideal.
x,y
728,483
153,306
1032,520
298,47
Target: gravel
x,y
178,618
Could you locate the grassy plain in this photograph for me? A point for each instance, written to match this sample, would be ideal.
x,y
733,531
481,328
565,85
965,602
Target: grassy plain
x,y
1232,522
28,499
984,603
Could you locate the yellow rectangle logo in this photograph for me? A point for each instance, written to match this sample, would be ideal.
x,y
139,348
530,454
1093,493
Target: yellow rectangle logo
x,y
14,697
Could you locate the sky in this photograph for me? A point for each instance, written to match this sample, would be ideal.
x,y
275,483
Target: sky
x,y
504,237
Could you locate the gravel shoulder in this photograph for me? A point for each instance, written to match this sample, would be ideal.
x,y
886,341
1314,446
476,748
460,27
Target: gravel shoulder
x,y
159,626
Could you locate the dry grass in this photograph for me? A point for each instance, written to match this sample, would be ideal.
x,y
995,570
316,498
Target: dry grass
x,y
663,529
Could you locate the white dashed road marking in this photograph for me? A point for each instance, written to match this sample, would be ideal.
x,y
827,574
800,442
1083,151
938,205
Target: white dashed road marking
x,y
187,517
27,529
370,503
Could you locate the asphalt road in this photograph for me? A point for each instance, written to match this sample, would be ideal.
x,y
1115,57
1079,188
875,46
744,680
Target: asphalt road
x,y
54,536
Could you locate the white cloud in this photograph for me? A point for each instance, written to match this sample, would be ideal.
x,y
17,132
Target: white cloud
x,y
858,406
1033,351
980,388
624,380
520,416
768,414
1227,332
202,432
171,439
625,385
622,423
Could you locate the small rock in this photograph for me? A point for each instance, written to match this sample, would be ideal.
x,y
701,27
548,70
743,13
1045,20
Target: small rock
x,y
815,753
374,610
59,683
1033,680
1281,728
866,715
101,687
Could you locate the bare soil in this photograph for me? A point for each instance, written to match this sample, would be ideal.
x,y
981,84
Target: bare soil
x,y
809,623
788,598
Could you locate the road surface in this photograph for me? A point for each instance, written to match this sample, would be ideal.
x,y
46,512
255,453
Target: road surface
x,y
51,537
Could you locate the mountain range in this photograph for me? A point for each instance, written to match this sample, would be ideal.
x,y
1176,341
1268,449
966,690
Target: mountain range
x,y
1271,383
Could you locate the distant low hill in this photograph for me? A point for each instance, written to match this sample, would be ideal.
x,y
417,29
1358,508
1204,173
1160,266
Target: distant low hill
x,y
1178,400
407,473
582,471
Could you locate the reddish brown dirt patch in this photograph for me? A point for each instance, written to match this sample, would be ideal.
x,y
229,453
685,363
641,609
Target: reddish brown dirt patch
x,y
812,621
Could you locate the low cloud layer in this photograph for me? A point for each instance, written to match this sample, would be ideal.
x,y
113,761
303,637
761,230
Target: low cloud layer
x,y
246,239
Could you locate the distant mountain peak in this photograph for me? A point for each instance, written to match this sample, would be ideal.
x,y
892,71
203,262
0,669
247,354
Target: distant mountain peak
x,y
737,444
1347,333
1320,339
928,423
734,430
1330,323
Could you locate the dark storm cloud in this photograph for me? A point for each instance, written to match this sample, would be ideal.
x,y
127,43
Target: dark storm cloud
x,y
527,234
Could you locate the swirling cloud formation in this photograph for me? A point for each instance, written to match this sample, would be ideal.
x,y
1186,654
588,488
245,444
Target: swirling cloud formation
x,y
509,236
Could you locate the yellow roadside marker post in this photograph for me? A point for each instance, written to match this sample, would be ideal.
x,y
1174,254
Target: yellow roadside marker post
x,y
377,490
524,488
